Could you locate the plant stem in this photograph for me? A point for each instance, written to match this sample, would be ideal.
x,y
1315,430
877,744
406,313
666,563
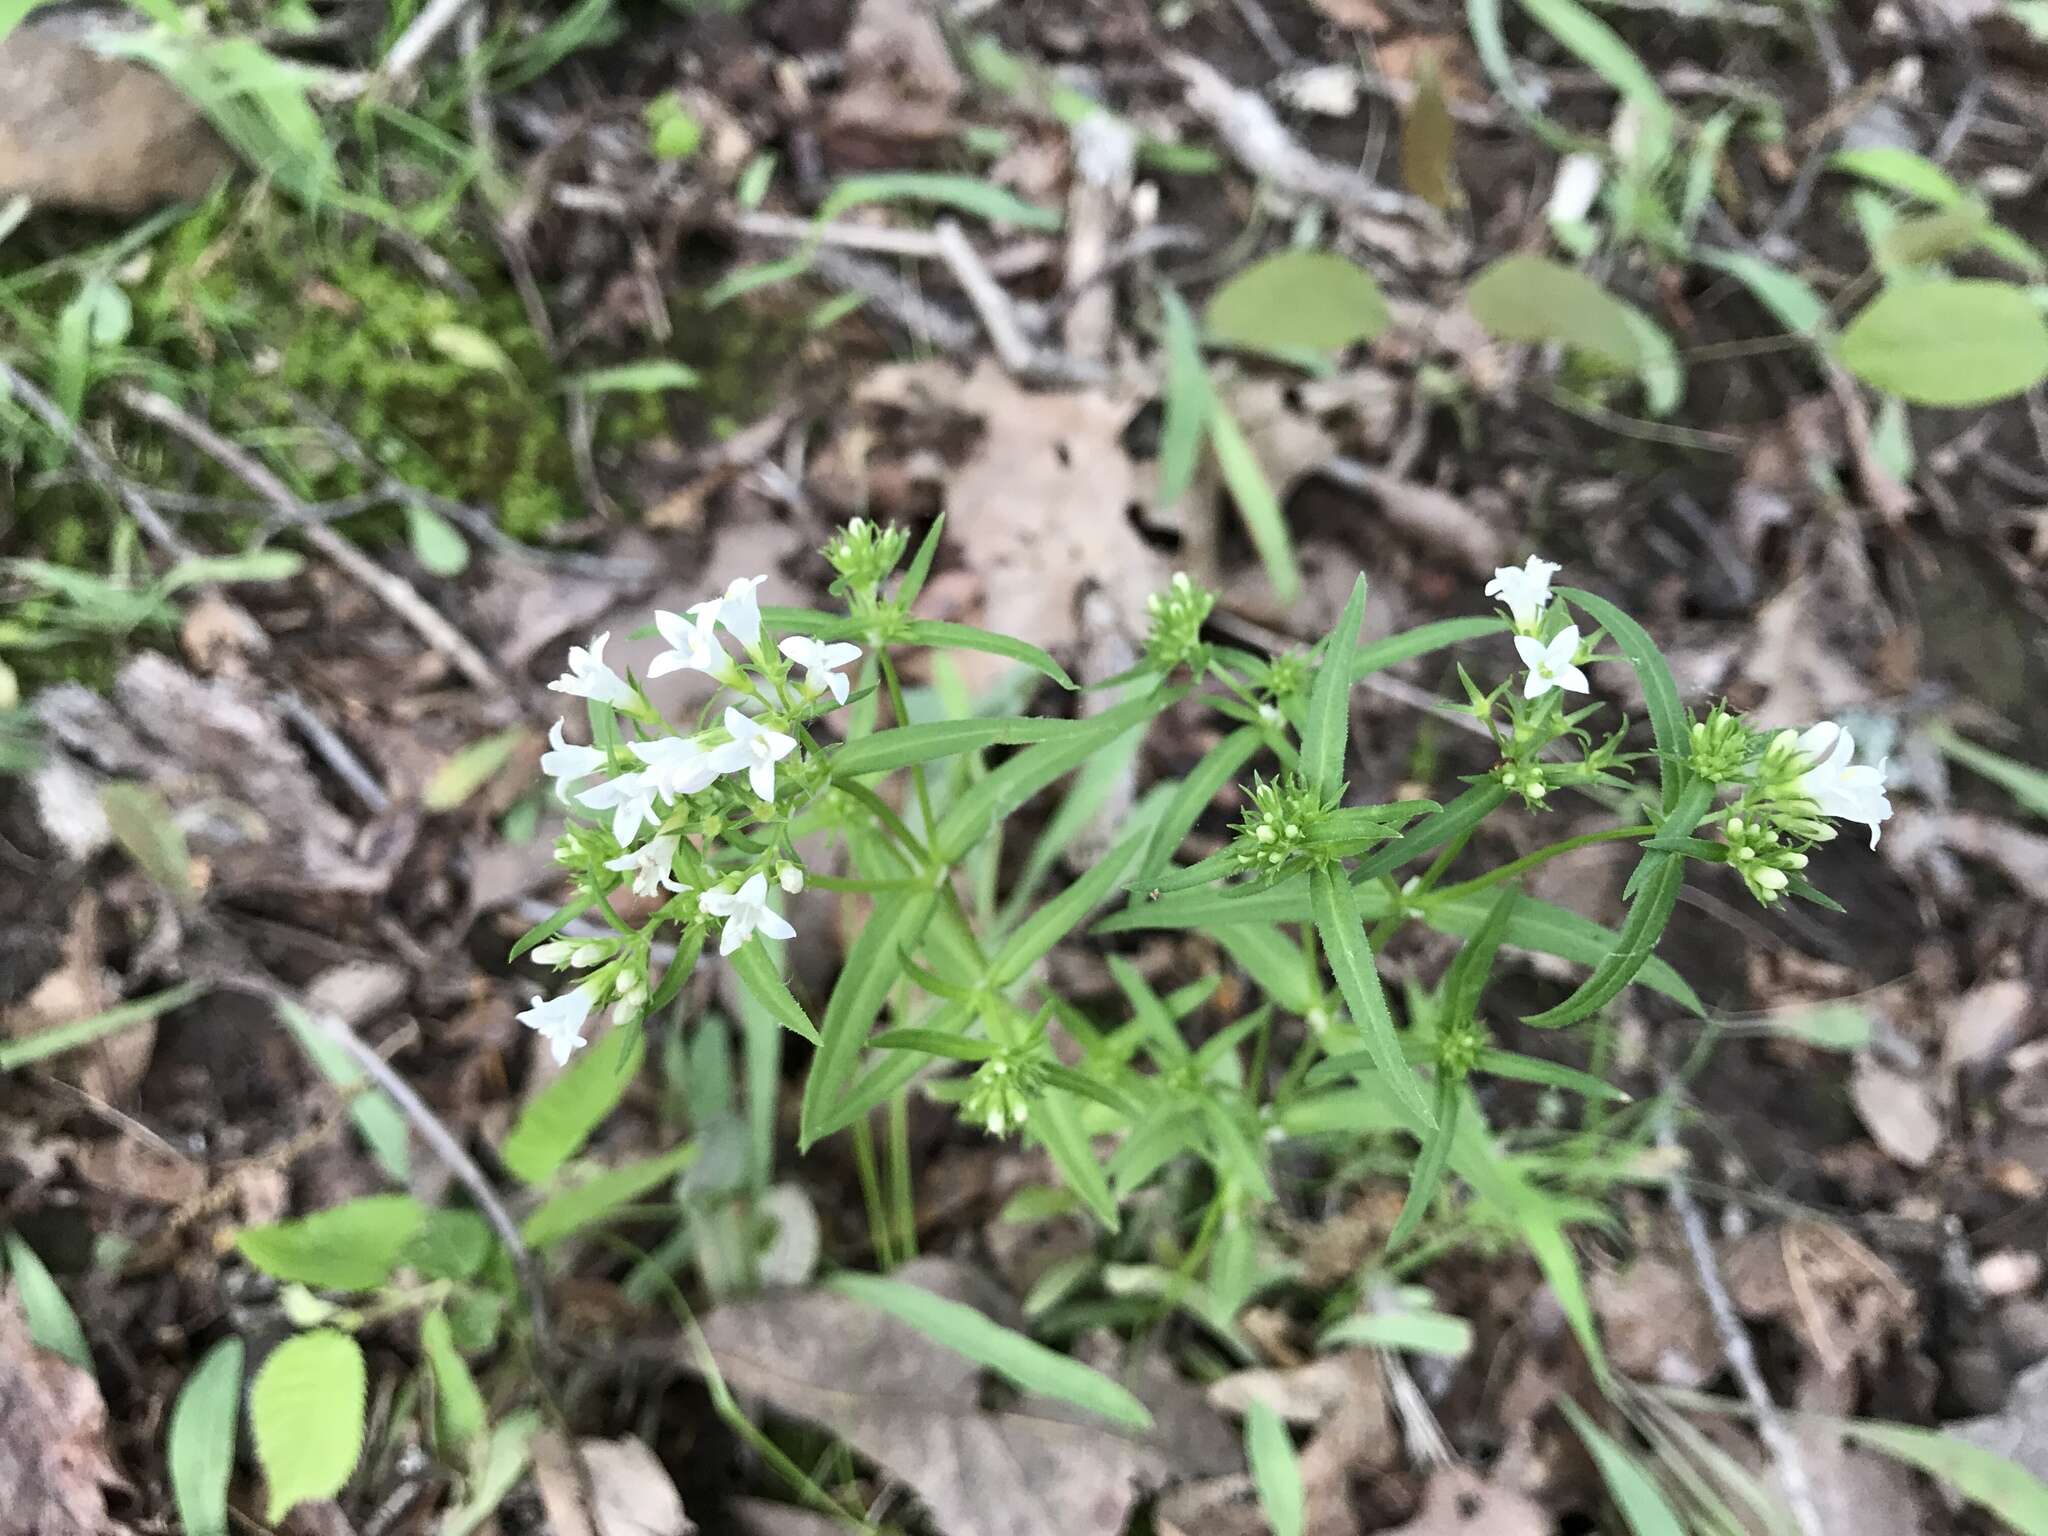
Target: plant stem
x,y
900,1181
871,1194
1529,861
894,684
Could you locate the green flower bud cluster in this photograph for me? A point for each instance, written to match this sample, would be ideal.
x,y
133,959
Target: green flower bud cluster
x,y
1178,615
863,554
1275,836
1287,676
1531,780
1758,854
1458,1047
1722,747
1000,1094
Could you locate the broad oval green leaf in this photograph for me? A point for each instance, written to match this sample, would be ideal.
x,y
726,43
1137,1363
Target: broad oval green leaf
x,y
1298,301
51,1321
200,1448
560,1118
436,543
1532,298
1961,343
352,1247
306,1412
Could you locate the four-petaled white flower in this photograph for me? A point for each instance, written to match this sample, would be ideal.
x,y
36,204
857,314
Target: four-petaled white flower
x,y
630,799
746,911
1844,791
821,662
677,765
651,864
589,678
754,749
739,610
1525,589
1552,666
559,1020
567,762
693,646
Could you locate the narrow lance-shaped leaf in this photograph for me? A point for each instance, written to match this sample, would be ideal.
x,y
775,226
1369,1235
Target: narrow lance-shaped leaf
x,y
942,635
907,745
1660,689
1473,966
1635,1492
1455,820
200,1449
1188,401
1060,916
871,969
1551,1074
559,1119
1342,931
1249,488
1329,701
1276,1470
1055,1126
1192,796
1434,1158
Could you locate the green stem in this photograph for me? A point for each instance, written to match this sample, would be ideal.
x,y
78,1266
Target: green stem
x,y
899,1170
894,684
1529,861
871,1194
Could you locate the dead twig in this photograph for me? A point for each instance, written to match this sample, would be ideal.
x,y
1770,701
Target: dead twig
x,y
339,757
393,590
417,41
1778,1439
1014,350
931,324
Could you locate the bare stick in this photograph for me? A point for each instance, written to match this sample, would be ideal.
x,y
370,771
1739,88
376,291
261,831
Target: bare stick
x,y
1013,348
417,40
441,1141
1770,1423
391,589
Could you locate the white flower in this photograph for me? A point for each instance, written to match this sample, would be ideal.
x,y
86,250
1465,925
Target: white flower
x,y
677,766
589,678
739,610
567,762
753,748
1844,792
1578,183
821,663
1553,665
692,646
560,1020
1525,589
745,912
630,799
651,864
790,878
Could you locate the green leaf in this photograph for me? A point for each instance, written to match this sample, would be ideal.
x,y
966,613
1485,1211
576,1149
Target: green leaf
x,y
56,1040
1055,1126
1323,738
1473,965
1342,931
378,1120
1789,297
2027,785
469,347
500,1464
459,1413
350,1247
1256,504
470,769
549,926
1188,401
871,969
1192,796
1430,1163
1532,298
1453,821
754,965
1554,930
1660,689
200,1448
1642,1504
451,1245
51,1322
1965,342
942,635
963,194
1298,301
1276,1470
306,1412
1602,50
1055,919
2008,1490
1023,1362
909,744
594,1199
1224,906
144,826
559,1119
436,543
1657,881
1422,1333
934,1042
1533,1069
1421,641
650,378
1932,237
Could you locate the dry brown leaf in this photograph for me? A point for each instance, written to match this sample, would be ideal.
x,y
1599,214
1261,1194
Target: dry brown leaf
x,y
54,1465
1458,1502
1914,839
1830,1291
1901,1111
1345,1397
1985,1022
1851,1485
77,988
1802,672
629,1492
1656,1322
913,1407
901,82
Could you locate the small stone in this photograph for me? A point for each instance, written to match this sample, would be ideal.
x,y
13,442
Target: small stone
x,y
2008,1272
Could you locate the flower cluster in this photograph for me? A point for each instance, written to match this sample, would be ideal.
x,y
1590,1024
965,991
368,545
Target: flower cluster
x,y
1178,615
1279,833
667,804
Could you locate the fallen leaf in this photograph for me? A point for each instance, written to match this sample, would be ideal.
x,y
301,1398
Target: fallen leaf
x,y
1459,1502
77,988
1900,1111
54,1465
901,82
629,1491
1344,1396
1359,15
1656,1322
914,1408
1985,1022
1830,1291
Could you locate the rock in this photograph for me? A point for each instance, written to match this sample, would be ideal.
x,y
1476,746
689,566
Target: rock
x,y
86,131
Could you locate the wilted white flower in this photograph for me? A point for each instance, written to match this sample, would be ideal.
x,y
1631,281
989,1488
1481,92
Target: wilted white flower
x,y
1554,665
1578,183
745,912
753,749
1843,791
1525,589
566,762
630,799
739,610
651,864
677,765
589,678
821,661
559,1020
693,647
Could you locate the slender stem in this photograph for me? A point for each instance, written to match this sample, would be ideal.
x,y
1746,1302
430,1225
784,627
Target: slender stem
x,y
899,1170
894,684
1529,861
871,1194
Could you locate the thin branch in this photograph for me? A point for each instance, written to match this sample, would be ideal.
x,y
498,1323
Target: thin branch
x,y
417,40
1014,350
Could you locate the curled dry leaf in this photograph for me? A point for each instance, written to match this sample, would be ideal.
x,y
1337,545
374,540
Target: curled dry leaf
x,y
78,987
1657,1323
1985,1022
1830,1291
1902,1112
54,1465
914,1408
1458,1502
621,1489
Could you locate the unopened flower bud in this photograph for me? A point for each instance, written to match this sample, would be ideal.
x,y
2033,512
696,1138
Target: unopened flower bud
x,y
790,877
